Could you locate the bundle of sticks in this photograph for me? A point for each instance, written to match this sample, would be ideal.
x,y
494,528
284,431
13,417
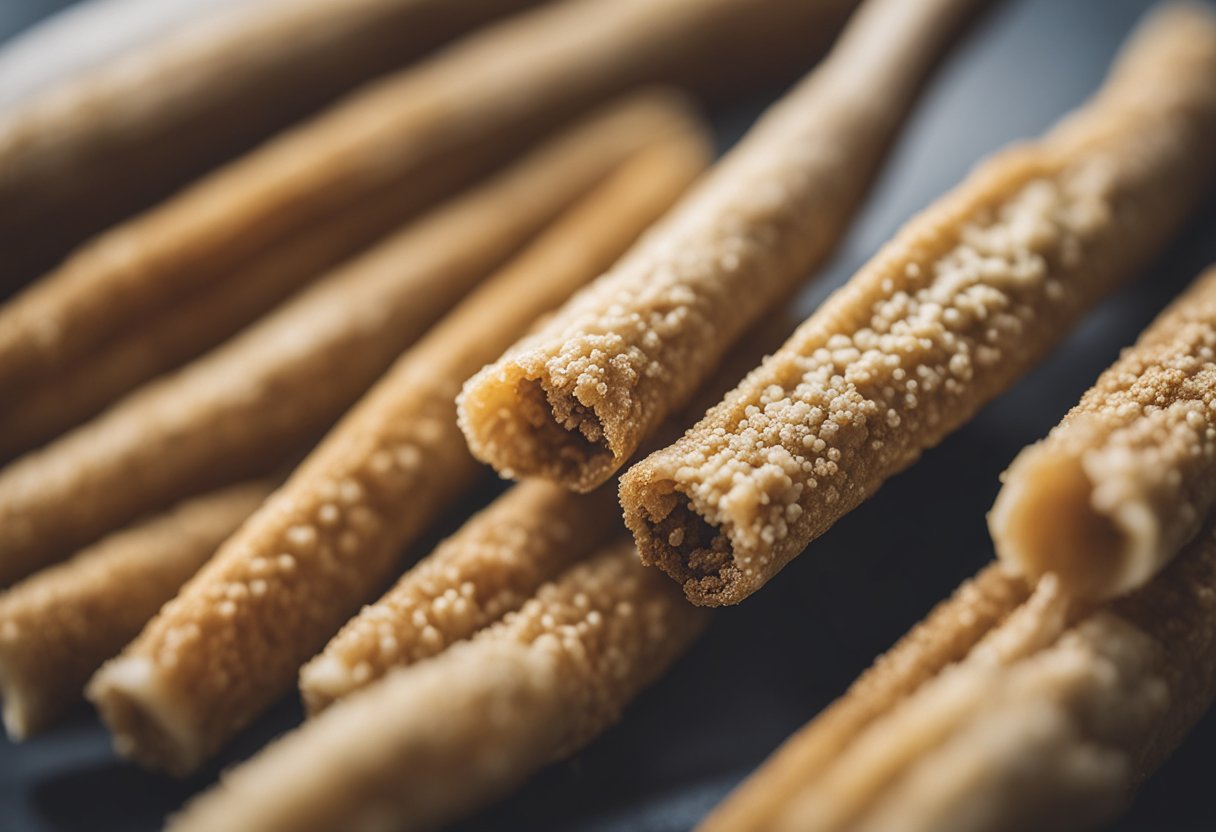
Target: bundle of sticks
x,y
232,421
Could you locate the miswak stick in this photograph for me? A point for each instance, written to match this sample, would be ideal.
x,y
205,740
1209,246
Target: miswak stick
x,y
199,321
967,297
274,389
107,142
57,627
434,741
1127,477
1050,722
494,562
945,637
235,637
575,400
435,126
491,566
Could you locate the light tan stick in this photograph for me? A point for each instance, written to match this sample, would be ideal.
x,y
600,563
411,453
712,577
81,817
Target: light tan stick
x,y
99,146
966,298
275,388
1053,735
488,568
495,562
199,321
236,636
948,634
432,742
1127,477
434,126
58,626
574,401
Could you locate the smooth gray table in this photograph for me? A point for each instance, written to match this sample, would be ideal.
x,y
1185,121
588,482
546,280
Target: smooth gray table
x,y
767,666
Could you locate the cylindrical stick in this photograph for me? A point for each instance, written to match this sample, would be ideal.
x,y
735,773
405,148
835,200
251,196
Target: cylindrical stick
x,y
1128,476
431,742
488,568
574,401
115,139
965,299
267,393
435,126
57,627
235,637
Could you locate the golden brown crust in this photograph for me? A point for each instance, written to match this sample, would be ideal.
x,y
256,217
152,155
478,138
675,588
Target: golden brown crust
x,y
431,742
277,386
965,298
574,401
235,637
58,626
497,560
437,126
114,140
1127,477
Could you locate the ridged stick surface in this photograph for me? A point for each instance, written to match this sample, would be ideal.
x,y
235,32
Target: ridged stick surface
x,y
59,625
965,299
234,638
1129,475
275,388
432,742
574,401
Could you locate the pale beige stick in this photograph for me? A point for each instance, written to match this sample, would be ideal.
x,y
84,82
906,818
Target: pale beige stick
x,y
1054,737
966,298
236,636
574,401
435,741
57,627
434,126
943,638
98,146
186,329
488,568
281,383
1128,476
494,562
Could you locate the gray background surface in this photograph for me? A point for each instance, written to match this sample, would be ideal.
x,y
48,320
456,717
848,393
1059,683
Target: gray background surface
x,y
767,666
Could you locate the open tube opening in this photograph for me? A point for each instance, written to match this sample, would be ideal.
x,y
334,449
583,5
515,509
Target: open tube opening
x,y
689,549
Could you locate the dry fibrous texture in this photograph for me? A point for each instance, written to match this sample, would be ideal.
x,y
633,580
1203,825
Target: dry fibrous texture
x,y
946,635
1050,722
435,126
434,741
575,400
58,626
199,321
99,145
494,563
332,536
967,297
1127,477
276,387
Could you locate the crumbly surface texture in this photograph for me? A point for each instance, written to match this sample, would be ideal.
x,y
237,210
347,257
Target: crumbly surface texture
x,y
434,741
234,638
275,388
436,125
573,401
497,561
946,635
58,626
1127,477
966,298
